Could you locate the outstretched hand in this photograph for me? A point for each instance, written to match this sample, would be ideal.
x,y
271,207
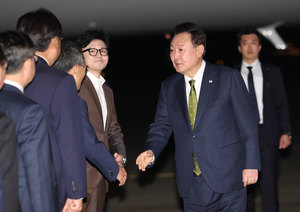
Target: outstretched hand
x,y
144,159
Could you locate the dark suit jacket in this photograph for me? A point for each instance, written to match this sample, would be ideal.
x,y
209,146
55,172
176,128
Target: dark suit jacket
x,y
95,150
275,111
2,205
9,189
224,138
37,181
56,91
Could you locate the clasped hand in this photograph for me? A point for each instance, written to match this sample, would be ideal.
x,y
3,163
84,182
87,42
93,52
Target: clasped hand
x,y
144,159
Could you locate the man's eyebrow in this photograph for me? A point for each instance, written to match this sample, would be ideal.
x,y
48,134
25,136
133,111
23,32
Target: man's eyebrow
x,y
178,45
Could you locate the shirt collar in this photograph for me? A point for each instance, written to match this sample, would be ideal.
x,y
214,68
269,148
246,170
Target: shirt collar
x,y
254,64
43,58
198,75
94,79
15,84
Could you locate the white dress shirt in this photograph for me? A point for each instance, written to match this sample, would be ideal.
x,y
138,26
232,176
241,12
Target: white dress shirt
x,y
98,85
15,84
258,83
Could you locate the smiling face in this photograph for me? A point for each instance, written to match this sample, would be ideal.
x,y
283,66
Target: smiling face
x,y
95,63
185,57
249,47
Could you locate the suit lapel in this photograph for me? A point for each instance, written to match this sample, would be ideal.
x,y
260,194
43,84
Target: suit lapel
x,y
182,100
208,82
90,87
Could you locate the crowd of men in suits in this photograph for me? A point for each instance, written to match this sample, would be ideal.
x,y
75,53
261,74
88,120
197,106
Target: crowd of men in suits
x,y
52,156
59,148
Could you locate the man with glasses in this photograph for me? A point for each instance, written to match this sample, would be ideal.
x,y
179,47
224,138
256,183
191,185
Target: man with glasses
x,y
56,91
102,113
37,180
71,61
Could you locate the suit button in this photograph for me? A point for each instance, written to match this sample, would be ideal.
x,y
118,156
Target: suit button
x,y
194,136
111,174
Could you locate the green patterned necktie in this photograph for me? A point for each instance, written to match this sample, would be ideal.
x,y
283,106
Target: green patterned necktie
x,y
192,115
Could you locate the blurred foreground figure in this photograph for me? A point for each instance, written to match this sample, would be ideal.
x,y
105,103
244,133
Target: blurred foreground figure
x,y
56,91
208,109
266,88
102,114
9,183
71,61
37,180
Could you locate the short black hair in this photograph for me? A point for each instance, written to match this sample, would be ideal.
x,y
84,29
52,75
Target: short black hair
x,y
92,34
17,48
248,31
69,57
197,34
2,58
41,26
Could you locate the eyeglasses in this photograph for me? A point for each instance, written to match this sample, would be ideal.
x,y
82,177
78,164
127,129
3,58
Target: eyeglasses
x,y
61,36
94,51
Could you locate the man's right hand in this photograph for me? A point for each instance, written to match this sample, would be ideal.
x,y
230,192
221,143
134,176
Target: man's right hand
x,y
73,205
122,176
144,159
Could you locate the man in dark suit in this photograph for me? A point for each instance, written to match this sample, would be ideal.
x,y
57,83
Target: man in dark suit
x,y
216,143
56,91
9,186
270,105
102,113
37,180
71,61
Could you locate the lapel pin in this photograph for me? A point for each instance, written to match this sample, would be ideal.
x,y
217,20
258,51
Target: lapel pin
x,y
210,81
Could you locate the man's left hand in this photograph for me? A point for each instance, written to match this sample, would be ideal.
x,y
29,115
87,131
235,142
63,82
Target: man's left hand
x,y
250,176
118,159
284,142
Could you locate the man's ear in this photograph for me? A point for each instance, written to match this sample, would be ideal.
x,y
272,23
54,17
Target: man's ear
x,y
54,42
27,69
200,51
27,65
74,70
239,48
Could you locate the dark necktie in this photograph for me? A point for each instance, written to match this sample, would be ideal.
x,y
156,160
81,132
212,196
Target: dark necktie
x,y
252,92
192,116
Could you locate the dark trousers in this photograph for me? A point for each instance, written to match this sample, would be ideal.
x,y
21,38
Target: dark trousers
x,y
203,199
268,177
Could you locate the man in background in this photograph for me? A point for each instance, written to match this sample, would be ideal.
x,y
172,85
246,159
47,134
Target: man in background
x,y
9,183
37,179
266,88
56,91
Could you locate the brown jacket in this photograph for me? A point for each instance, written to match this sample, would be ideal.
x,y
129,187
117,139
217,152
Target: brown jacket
x,y
111,136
